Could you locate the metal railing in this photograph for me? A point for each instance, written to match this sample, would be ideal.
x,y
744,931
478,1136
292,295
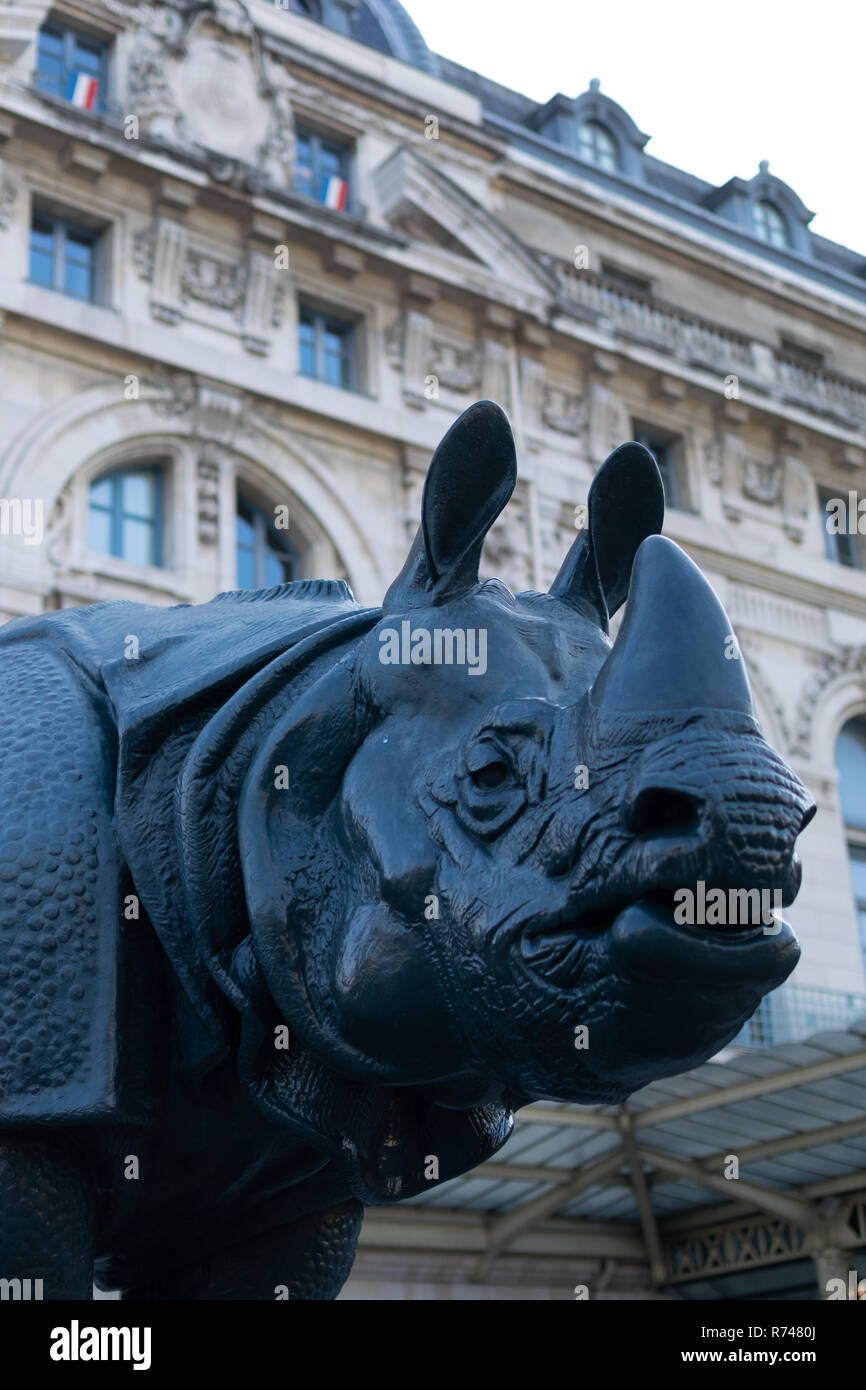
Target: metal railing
x,y
794,1012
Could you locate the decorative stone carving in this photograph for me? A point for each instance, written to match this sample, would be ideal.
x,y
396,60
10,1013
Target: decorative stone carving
x,y
417,349
218,283
762,481
58,536
564,411
848,661
533,390
456,365
150,94
8,199
496,372
393,341
278,307
208,469
169,254
276,159
143,244
609,421
219,87
507,550
798,498
260,285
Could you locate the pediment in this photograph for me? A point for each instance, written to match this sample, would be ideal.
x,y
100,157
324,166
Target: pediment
x,y
428,206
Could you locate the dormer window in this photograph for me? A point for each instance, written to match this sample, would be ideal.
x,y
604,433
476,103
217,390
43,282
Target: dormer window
x,y
771,225
597,146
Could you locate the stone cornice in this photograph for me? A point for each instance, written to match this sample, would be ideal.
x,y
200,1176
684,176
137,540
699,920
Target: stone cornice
x,y
709,253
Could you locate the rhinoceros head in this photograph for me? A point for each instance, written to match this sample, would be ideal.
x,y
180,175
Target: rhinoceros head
x,y
468,885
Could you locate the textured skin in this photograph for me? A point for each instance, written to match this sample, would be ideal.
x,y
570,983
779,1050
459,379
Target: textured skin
x,y
47,1216
58,890
310,1259
370,901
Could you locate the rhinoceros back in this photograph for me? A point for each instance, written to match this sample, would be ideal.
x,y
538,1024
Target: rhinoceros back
x,y
63,958
80,1021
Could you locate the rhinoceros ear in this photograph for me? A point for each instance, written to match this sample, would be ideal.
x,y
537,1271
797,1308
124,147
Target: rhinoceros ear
x,y
626,504
471,478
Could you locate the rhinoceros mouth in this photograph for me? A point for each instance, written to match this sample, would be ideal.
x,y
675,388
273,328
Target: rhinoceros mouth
x,y
640,940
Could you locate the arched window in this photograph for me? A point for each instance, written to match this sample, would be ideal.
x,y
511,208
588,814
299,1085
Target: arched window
x,y
310,9
597,146
851,762
771,225
124,514
265,555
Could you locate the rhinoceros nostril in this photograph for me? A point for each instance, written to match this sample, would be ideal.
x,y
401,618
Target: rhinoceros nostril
x,y
659,809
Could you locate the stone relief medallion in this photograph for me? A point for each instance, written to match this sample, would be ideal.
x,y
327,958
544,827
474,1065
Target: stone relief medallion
x,y
221,101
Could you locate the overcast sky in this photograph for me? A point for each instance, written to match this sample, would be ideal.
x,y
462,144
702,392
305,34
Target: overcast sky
x,y
718,87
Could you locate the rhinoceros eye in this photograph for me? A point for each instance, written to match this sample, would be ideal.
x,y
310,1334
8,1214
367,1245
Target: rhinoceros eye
x,y
491,776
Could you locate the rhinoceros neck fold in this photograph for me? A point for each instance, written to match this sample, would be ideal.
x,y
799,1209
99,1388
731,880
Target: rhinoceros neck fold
x,y
197,666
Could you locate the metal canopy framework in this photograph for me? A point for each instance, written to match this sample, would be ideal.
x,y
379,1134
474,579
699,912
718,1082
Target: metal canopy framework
x,y
753,1161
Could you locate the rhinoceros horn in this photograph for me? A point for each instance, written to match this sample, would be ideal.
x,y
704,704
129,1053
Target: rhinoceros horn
x,y
471,477
626,503
676,649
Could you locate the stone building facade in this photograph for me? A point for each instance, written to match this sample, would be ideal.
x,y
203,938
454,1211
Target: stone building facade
x,y
257,255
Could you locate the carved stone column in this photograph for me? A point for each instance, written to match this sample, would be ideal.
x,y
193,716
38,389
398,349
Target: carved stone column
x,y
169,254
262,278
417,352
496,373
169,250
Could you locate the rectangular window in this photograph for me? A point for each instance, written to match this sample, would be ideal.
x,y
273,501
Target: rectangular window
x,y
72,66
125,515
626,279
857,860
842,543
665,453
802,355
327,349
322,169
64,256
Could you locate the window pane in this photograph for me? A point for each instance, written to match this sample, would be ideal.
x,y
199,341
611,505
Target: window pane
x,y
597,145
277,568
42,251
41,268
138,541
99,530
50,42
78,263
261,558
246,534
102,492
247,569
304,176
331,161
88,57
139,495
851,762
78,280
338,354
307,347
661,452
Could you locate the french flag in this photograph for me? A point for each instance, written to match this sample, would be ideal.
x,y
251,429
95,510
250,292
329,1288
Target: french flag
x,y
82,90
335,193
